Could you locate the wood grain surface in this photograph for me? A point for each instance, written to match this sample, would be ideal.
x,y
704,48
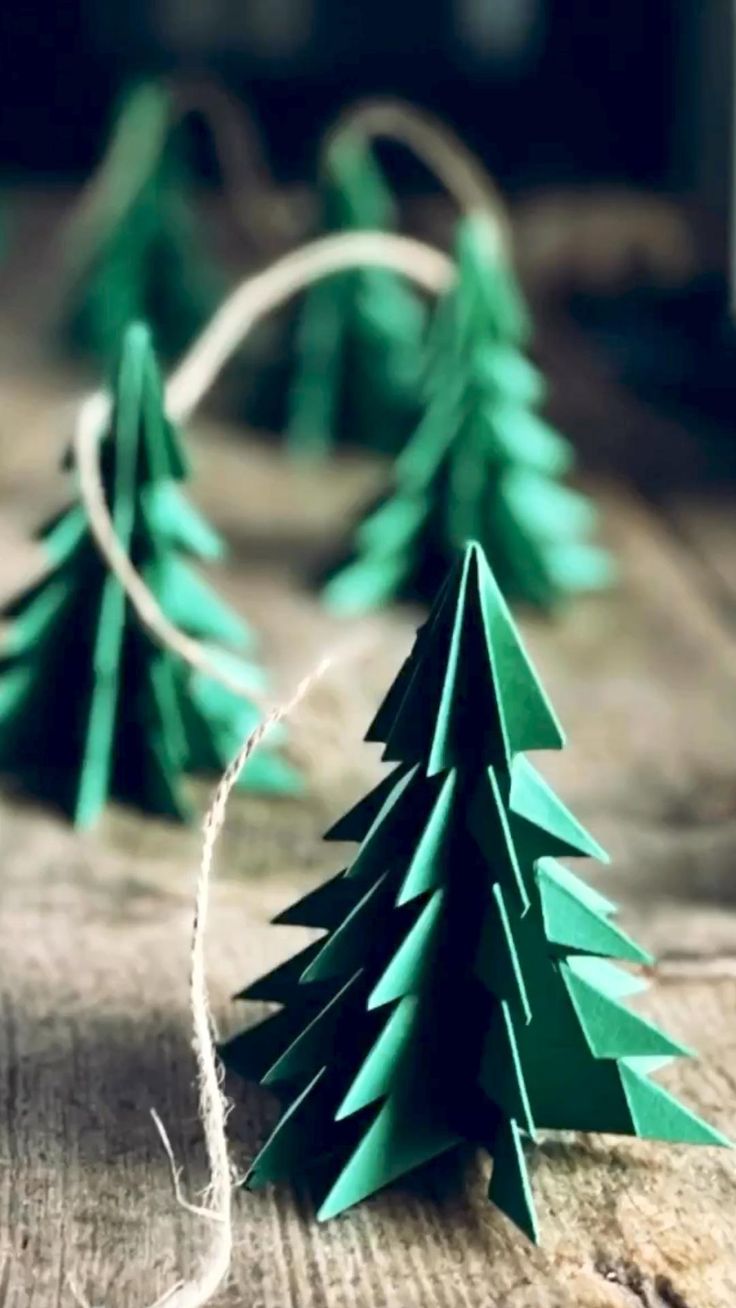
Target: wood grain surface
x,y
95,932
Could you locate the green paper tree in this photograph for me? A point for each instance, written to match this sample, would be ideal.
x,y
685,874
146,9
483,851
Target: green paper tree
x,y
150,261
360,334
90,706
466,988
481,464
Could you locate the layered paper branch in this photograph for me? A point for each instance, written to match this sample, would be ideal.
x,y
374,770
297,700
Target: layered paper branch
x,y
481,464
468,986
150,262
90,707
360,334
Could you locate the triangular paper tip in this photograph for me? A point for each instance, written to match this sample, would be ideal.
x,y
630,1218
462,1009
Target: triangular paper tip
x,y
329,1209
251,1179
474,553
137,336
476,233
656,1114
509,1187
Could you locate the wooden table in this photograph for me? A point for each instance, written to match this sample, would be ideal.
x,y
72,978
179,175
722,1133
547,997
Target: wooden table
x,y
94,946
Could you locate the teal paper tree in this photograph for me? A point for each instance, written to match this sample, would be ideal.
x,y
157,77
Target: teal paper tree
x,y
463,990
150,261
90,707
482,464
360,334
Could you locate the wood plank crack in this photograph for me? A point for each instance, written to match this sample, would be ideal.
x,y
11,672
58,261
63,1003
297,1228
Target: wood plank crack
x,y
638,1287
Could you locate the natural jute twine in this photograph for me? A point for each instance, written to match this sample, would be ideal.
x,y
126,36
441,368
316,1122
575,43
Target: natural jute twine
x,y
246,306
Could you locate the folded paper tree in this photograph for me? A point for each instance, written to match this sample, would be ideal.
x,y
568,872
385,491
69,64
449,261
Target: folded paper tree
x,y
90,707
464,989
148,260
480,464
360,334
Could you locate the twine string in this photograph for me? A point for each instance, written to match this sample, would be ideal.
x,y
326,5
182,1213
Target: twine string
x,y
196,373
253,198
258,295
431,141
186,387
91,421
132,154
214,1108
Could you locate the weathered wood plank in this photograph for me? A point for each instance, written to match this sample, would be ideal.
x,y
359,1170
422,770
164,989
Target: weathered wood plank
x,y
94,1033
93,1023
94,1027
707,523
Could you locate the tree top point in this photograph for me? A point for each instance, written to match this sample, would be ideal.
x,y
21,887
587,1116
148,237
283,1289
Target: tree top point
x,y
478,238
137,336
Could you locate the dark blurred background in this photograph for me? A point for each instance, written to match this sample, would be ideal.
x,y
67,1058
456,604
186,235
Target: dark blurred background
x,y
618,90
607,124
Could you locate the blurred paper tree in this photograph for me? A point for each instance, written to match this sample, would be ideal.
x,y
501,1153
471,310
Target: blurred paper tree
x,y
463,990
136,251
482,464
360,334
90,707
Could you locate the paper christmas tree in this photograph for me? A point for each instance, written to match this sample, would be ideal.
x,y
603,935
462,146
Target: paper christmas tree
x,y
360,334
150,261
90,707
482,464
464,989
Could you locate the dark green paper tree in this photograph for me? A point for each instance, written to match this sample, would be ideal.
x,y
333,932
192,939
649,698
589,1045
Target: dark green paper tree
x,y
90,707
464,989
151,262
360,334
481,463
